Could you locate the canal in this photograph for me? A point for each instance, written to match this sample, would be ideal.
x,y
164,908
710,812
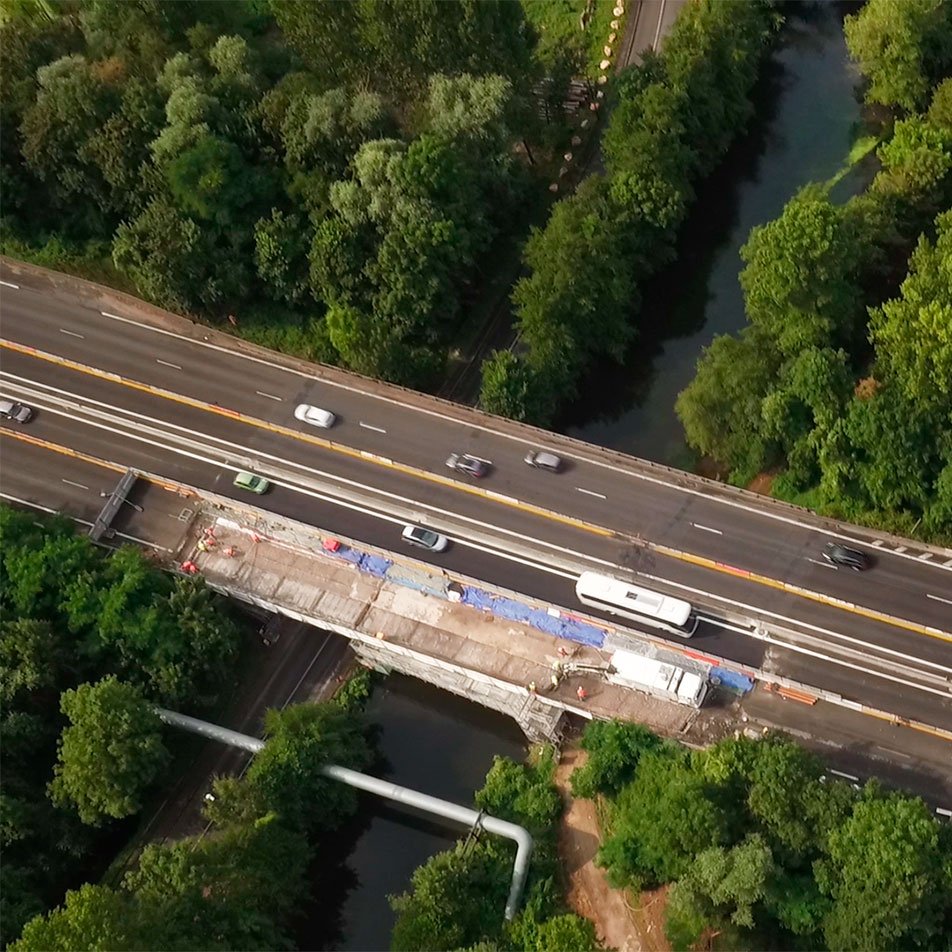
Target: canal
x,y
434,742
808,115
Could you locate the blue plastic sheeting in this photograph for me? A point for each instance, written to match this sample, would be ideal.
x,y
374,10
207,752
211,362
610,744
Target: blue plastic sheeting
x,y
732,680
582,633
346,553
375,565
568,628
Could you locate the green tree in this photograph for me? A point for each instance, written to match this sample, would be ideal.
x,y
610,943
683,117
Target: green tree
x,y
235,889
901,47
511,388
93,917
720,889
800,280
666,816
111,751
31,659
567,932
455,900
287,775
73,100
721,408
614,751
913,333
888,876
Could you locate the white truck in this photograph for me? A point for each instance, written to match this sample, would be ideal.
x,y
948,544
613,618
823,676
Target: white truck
x,y
662,678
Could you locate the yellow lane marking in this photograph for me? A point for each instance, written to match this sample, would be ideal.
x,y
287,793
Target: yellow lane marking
x,y
307,438
939,732
806,593
183,490
63,450
592,528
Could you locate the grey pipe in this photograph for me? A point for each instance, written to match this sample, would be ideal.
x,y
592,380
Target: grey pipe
x,y
391,791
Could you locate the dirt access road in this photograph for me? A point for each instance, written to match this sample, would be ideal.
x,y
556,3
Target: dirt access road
x,y
618,924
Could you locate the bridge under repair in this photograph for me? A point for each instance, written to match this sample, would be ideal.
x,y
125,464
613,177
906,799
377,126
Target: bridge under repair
x,y
503,650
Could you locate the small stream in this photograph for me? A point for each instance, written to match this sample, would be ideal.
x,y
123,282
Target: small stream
x,y
808,114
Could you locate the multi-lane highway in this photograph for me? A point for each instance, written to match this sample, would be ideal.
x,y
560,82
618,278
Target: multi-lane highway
x,y
185,403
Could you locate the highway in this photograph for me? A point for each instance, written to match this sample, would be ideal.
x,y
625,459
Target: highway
x,y
176,413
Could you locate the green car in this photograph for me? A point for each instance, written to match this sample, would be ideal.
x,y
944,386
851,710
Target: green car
x,y
254,484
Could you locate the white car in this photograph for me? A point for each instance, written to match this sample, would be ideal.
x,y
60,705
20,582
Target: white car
x,y
315,416
425,538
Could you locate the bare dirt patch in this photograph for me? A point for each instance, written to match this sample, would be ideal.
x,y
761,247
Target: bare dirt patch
x,y
618,924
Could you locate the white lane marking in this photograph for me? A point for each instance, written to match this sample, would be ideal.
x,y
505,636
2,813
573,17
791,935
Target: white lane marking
x,y
546,568
939,599
270,396
615,468
839,773
698,525
82,522
823,562
167,364
63,330
573,553
943,812
69,482
9,284
376,429
589,492
103,422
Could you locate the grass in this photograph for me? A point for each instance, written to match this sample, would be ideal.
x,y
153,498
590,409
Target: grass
x,y
91,260
561,35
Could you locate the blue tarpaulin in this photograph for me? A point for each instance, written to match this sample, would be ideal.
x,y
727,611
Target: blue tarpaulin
x,y
732,680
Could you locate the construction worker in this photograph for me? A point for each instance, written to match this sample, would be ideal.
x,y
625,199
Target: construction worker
x,y
580,693
532,687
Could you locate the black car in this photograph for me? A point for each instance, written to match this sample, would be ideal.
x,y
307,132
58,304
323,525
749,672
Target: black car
x,y
839,554
471,465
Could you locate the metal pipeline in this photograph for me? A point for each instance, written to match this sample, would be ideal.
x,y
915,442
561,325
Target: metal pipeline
x,y
391,791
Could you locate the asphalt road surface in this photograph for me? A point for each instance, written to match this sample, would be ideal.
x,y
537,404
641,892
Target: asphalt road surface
x,y
197,411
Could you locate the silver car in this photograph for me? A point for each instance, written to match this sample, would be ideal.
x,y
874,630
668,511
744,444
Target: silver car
x,y
425,538
315,416
540,459
18,412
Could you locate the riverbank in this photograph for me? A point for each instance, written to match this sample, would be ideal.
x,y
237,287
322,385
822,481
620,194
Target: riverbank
x,y
619,925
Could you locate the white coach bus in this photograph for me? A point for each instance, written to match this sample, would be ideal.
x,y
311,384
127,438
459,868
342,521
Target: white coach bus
x,y
639,604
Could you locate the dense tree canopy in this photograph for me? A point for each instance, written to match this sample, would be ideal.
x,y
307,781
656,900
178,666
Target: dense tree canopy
x,y
71,614
111,751
671,122
901,47
765,851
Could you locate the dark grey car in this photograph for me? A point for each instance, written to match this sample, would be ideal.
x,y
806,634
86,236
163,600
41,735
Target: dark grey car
x,y
838,554
471,465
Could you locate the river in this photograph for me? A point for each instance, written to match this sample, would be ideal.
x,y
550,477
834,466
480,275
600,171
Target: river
x,y
434,742
808,115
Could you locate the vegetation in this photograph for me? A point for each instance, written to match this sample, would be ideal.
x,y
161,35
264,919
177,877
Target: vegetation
x,y
77,754
842,383
331,177
457,897
763,850
671,122
240,885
